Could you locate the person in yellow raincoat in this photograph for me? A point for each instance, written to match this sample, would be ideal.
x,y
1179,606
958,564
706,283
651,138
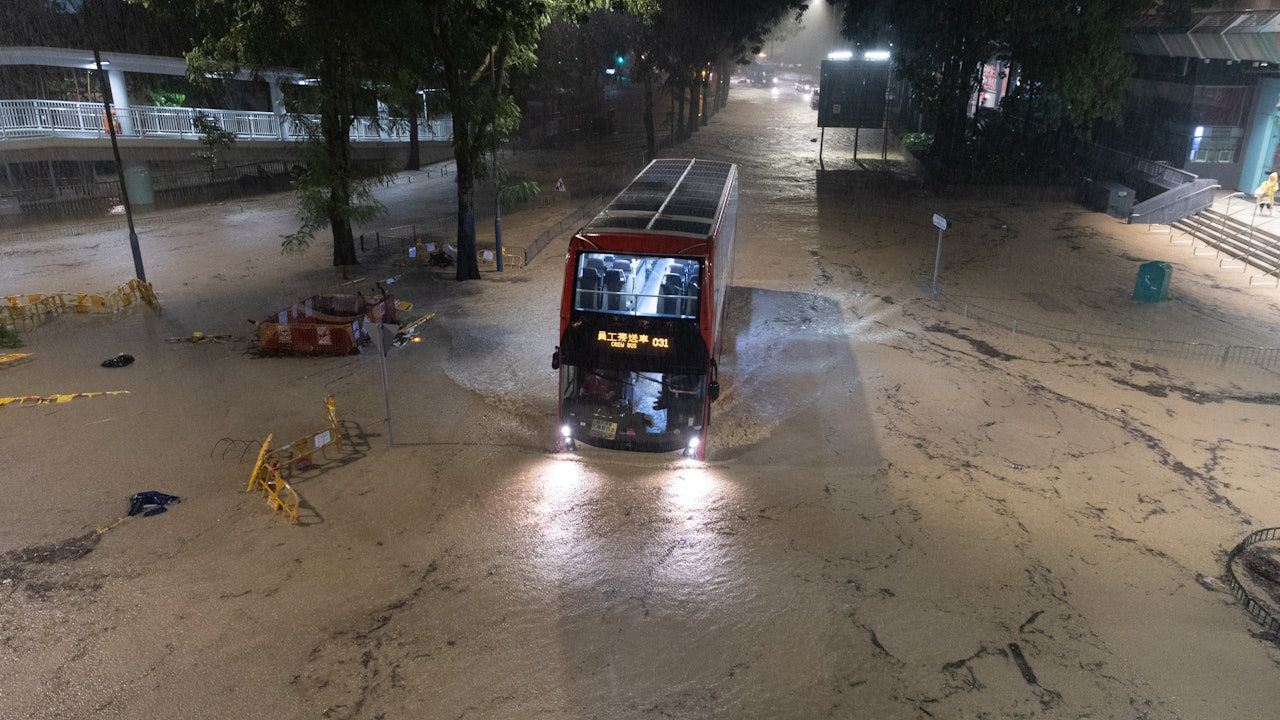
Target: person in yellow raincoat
x,y
1266,192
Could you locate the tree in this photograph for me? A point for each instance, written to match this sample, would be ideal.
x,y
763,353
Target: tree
x,y
341,46
693,38
478,45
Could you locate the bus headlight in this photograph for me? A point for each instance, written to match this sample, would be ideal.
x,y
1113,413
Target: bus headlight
x,y
566,431
566,438
691,450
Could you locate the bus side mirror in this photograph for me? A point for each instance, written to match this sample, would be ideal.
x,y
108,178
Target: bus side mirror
x,y
713,389
555,360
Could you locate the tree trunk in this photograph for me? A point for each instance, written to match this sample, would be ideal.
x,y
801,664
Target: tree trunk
x,y
335,129
706,109
677,93
692,127
466,179
651,143
415,156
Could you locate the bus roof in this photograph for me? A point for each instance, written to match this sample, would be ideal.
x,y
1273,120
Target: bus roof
x,y
670,196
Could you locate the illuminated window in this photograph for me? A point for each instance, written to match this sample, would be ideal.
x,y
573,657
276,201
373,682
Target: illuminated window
x,y
638,285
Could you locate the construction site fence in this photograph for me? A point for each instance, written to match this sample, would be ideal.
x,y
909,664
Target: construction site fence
x,y
1267,358
29,310
1257,610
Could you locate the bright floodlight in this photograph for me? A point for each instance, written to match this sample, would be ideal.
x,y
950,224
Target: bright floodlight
x,y
566,431
840,55
876,55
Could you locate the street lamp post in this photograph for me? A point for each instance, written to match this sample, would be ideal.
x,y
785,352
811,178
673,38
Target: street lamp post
x,y
107,102
497,183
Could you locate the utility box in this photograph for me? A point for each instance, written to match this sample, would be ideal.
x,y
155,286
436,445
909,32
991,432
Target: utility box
x,y
1111,198
1152,284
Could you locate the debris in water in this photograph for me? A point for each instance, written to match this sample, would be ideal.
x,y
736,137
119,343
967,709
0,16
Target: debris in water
x,y
1031,620
1210,583
1021,661
119,361
150,503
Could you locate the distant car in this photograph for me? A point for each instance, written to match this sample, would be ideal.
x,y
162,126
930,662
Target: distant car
x,y
802,88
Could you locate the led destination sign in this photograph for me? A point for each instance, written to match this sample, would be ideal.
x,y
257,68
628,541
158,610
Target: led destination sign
x,y
632,341
664,345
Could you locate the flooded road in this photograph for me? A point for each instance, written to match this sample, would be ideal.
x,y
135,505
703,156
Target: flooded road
x,y
904,515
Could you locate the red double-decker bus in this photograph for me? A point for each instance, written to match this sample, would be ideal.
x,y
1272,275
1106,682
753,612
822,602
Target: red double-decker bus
x,y
640,315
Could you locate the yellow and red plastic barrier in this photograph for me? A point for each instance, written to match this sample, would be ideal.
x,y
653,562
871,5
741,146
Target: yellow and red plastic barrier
x,y
29,310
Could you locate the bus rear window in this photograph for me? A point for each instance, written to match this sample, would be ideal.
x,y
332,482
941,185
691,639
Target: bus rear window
x,y
638,285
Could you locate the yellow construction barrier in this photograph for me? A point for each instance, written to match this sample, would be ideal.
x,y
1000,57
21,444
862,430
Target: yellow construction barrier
x,y
33,400
25,312
13,358
303,450
266,479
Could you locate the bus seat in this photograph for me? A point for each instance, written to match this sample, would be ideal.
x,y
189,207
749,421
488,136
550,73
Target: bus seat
x,y
690,303
589,289
595,264
615,283
668,302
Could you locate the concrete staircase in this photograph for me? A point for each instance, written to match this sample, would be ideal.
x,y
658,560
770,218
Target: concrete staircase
x,y
1238,245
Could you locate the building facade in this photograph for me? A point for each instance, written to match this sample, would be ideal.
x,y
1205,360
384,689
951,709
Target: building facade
x,y
1205,93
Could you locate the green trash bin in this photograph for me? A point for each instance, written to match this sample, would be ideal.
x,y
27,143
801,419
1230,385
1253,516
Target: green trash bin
x,y
137,180
1152,284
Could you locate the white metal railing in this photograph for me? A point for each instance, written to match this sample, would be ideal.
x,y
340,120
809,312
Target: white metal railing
x,y
37,118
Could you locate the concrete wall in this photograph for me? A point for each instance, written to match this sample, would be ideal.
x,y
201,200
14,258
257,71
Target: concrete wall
x,y
1260,137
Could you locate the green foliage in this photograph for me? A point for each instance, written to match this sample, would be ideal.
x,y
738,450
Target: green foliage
x,y
161,97
917,144
519,192
345,46
317,203
9,338
213,138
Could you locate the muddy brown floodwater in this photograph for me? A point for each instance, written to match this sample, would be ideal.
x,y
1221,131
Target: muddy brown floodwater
x,y
906,514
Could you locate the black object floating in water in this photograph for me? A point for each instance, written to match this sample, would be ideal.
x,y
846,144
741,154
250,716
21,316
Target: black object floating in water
x,y
118,361
150,503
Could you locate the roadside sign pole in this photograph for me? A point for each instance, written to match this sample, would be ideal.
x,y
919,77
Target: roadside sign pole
x,y
386,399
384,346
940,223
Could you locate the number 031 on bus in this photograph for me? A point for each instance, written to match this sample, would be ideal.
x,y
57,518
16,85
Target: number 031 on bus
x,y
642,309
